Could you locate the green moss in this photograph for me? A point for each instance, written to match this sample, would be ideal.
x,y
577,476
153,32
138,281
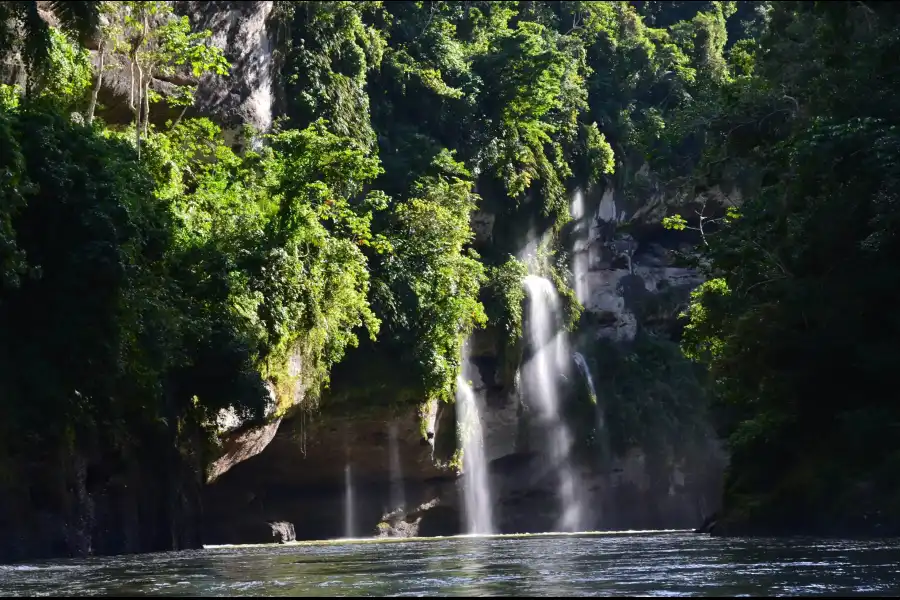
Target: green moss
x,y
423,418
456,461
503,296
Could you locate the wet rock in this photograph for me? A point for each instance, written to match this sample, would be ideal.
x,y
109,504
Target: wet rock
x,y
299,476
482,226
283,532
401,528
709,524
242,445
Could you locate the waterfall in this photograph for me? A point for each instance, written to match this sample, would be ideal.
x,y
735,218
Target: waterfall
x,y
398,502
602,435
579,246
582,366
476,488
349,525
548,362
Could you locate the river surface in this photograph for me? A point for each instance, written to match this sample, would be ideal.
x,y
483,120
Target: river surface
x,y
648,564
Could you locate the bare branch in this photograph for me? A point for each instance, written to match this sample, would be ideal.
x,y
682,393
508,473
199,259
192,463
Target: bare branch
x,y
96,92
764,282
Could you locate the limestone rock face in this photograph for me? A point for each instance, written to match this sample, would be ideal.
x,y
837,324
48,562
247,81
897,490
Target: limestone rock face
x,y
244,31
483,226
611,266
240,446
246,96
300,477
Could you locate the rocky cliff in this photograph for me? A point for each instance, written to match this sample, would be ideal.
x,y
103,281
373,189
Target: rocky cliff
x,y
632,290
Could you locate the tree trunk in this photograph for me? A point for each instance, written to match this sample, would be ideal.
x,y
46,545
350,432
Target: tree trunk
x,y
147,101
142,99
138,109
131,89
96,92
180,115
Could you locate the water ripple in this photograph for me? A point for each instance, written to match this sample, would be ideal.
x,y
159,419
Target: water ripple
x,y
644,564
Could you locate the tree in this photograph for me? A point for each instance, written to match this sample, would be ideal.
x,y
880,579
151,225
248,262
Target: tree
x,y
156,42
793,321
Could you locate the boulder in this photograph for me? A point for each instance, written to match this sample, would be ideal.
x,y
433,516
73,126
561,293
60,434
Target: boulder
x,y
283,532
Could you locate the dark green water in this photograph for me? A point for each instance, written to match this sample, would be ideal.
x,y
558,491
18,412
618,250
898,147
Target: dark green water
x,y
660,564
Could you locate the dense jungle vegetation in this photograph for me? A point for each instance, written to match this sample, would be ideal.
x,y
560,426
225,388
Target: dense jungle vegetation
x,y
152,275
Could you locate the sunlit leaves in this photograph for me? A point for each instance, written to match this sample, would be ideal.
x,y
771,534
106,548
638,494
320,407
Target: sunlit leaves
x,y
328,61
703,335
432,275
291,225
506,295
600,154
675,222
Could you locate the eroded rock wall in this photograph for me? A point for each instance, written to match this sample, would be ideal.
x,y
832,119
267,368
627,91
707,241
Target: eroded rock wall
x,y
300,478
94,500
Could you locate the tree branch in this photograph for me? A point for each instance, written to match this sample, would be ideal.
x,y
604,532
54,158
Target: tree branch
x,y
96,92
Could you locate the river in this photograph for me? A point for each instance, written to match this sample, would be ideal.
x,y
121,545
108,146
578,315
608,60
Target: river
x,y
648,564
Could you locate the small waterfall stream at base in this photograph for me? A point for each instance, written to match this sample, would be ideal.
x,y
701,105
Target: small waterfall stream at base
x,y
602,435
476,485
398,501
349,524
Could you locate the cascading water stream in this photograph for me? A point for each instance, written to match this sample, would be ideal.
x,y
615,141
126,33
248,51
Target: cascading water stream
x,y
582,366
602,434
476,484
548,363
398,501
579,248
349,524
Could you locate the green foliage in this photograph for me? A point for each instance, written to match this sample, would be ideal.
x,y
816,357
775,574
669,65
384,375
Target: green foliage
x,y
68,75
506,295
25,33
330,54
794,322
9,97
533,98
199,274
537,94
320,280
703,339
675,222
15,184
280,232
155,42
456,461
429,285
650,396
600,155
97,288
